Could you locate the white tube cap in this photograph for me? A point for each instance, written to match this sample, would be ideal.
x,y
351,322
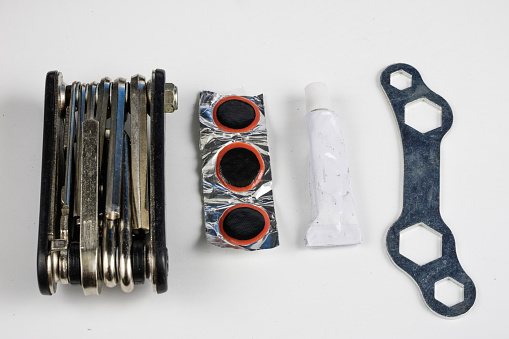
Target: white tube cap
x,y
317,97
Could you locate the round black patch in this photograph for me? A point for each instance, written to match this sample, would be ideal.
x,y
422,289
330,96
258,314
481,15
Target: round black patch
x,y
235,114
239,167
243,223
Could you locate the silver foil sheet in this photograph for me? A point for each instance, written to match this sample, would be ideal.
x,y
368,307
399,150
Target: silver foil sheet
x,y
216,197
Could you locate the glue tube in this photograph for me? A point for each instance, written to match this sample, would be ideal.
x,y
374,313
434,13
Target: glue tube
x,y
333,211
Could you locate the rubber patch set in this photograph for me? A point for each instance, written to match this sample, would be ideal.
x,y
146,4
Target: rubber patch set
x,y
102,217
237,180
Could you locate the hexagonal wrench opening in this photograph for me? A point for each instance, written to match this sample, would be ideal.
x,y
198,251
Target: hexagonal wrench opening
x,y
449,292
423,115
420,243
401,80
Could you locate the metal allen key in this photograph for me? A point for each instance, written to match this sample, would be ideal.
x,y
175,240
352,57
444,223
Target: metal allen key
x,y
102,213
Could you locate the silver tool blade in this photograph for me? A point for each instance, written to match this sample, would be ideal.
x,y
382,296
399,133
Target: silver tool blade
x,y
139,141
114,170
82,99
56,156
89,231
69,136
109,253
91,101
125,271
103,101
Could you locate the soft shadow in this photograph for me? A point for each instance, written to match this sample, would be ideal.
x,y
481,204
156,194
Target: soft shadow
x,y
290,162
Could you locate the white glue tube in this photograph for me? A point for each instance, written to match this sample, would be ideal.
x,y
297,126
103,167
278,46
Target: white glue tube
x,y
334,218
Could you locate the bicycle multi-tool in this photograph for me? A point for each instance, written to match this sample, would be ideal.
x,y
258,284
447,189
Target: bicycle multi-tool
x,y
102,212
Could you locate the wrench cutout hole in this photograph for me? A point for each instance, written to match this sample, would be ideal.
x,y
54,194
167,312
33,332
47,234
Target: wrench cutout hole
x,y
423,115
401,80
420,243
449,292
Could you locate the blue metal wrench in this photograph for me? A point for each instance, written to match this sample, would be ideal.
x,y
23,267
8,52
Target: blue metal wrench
x,y
421,195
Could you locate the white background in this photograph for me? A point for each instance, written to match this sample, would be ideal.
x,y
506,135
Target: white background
x,y
275,47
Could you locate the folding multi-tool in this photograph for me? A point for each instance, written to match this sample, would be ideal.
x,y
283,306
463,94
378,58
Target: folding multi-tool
x,y
102,212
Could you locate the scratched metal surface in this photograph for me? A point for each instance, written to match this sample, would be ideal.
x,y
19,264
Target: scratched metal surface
x,y
421,200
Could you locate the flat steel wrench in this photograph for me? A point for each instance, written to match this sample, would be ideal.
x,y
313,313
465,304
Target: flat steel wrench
x,y
421,195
